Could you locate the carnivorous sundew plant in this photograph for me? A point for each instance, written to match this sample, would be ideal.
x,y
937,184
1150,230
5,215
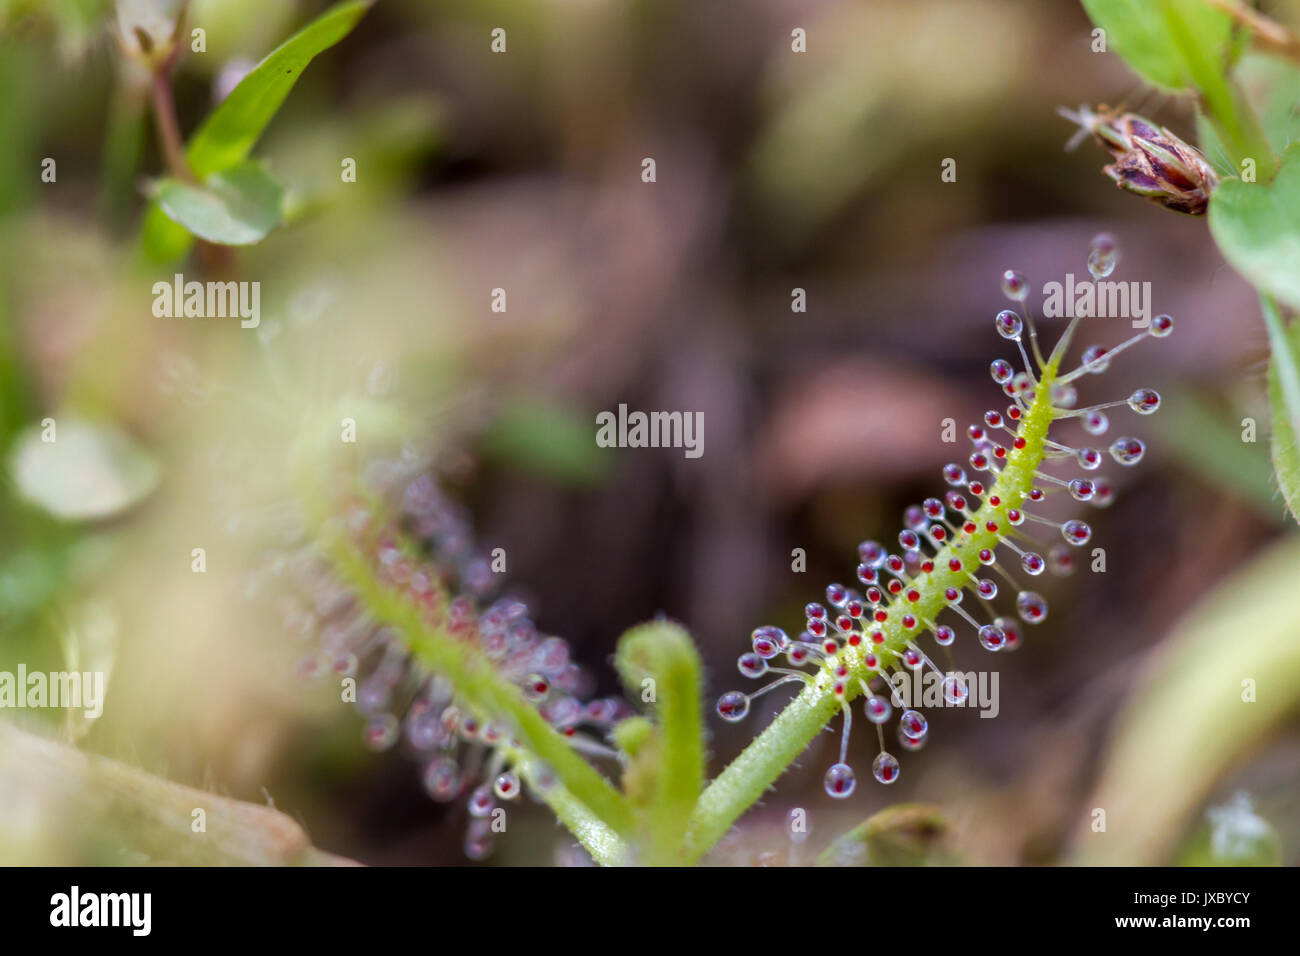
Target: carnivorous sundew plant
x,y
399,597
356,361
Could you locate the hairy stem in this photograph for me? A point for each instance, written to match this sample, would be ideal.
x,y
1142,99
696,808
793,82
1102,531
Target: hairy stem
x,y
470,672
745,780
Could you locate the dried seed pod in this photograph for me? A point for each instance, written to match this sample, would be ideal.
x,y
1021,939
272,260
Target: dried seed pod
x,y
1149,160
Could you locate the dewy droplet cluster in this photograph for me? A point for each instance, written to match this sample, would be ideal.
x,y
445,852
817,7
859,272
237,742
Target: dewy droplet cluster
x,y
959,546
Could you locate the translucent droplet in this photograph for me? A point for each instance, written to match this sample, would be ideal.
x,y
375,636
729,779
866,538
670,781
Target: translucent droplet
x,y
1096,423
992,637
506,785
885,767
1081,489
1161,326
910,744
1092,357
1031,606
1001,371
1009,324
913,724
1015,286
536,687
733,706
1011,628
1033,563
1127,451
1064,396
380,732
751,665
480,841
840,781
1076,532
944,635
1103,255
1144,401
1061,561
768,641
441,779
1104,492
836,594
877,710
481,801
954,475
872,553
955,690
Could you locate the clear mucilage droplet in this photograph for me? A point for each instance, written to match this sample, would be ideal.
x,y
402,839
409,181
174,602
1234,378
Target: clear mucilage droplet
x,y
1015,286
1009,324
885,767
955,690
1127,451
840,781
1103,256
733,706
912,724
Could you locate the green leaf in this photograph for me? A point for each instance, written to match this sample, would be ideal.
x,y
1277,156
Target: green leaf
x,y
1284,405
1257,227
235,207
659,658
228,134
87,472
908,834
1140,32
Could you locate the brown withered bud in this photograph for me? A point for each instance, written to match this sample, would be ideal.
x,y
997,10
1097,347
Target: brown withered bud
x,y
1149,160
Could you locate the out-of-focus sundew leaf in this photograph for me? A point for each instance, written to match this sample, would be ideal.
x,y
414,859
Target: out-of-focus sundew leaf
x,y
1138,30
89,472
907,834
1215,688
235,207
1257,226
229,132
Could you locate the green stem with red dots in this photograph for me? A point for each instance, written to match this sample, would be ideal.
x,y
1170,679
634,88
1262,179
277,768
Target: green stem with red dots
x,y
748,777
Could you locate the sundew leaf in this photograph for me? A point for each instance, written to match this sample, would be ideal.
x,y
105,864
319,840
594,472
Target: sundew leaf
x,y
1257,226
227,136
89,472
1139,31
236,207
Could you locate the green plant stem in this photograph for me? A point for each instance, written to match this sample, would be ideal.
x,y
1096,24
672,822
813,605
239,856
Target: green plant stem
x,y
1224,103
605,846
663,652
747,778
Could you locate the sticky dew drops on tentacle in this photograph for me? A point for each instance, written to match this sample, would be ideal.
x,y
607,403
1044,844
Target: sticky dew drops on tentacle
x,y
859,641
